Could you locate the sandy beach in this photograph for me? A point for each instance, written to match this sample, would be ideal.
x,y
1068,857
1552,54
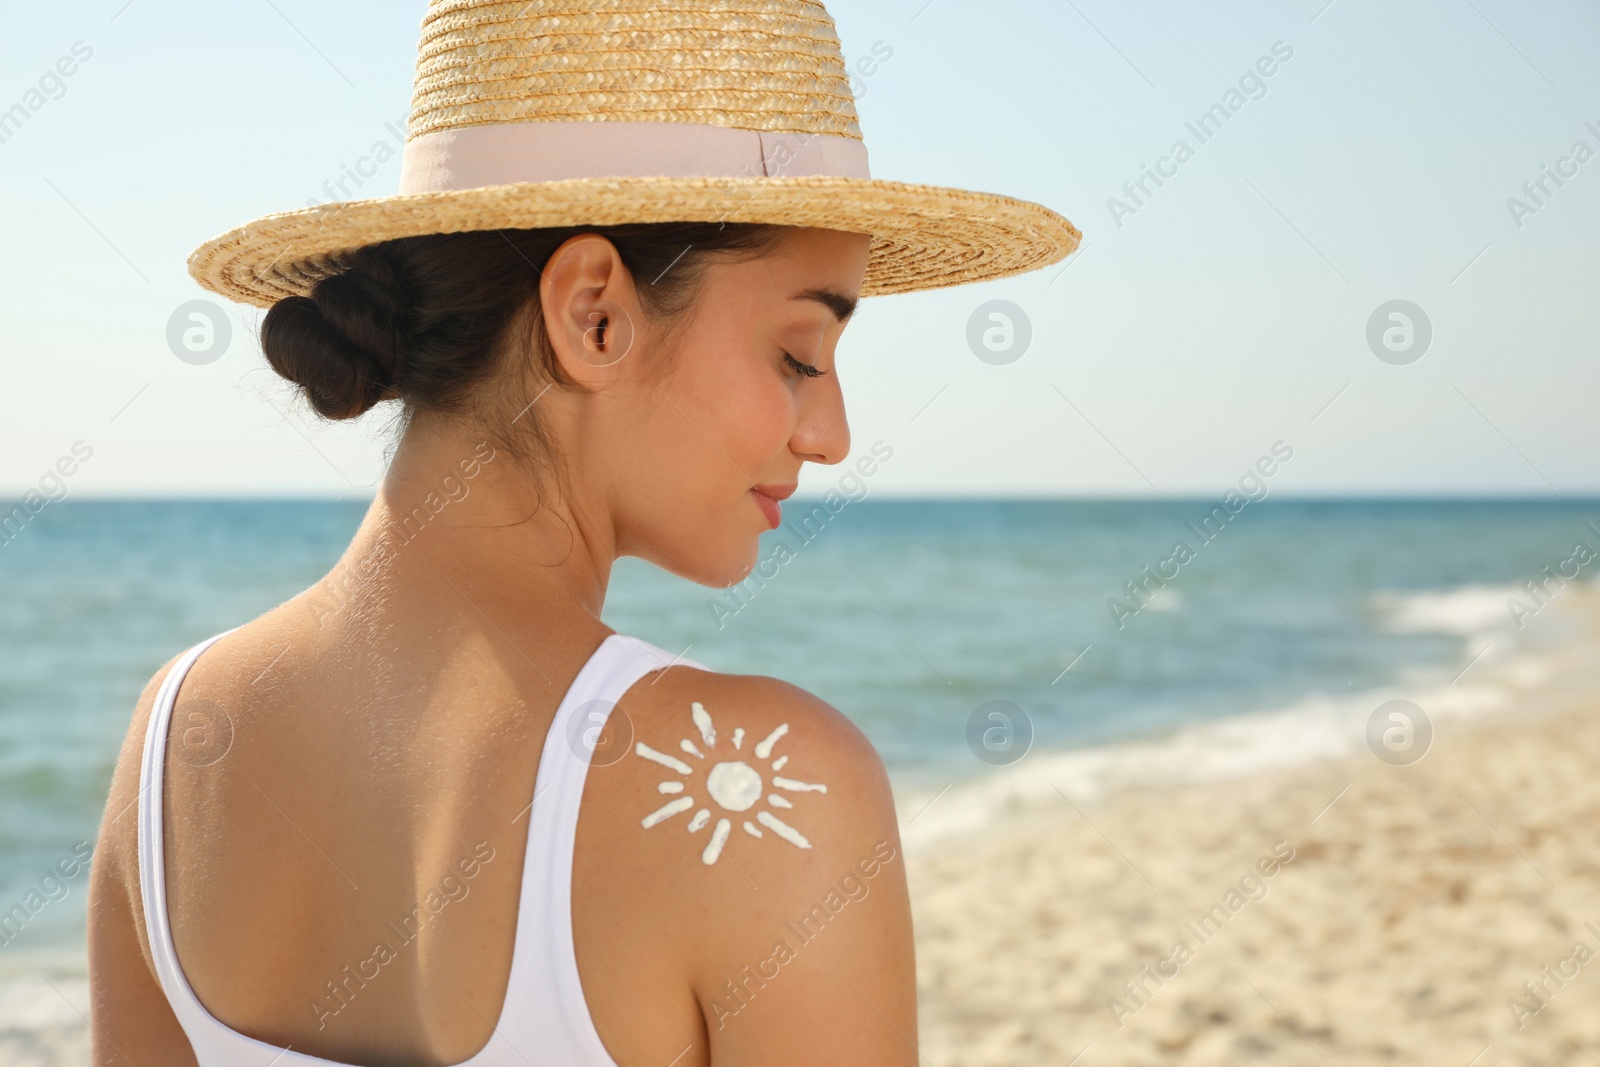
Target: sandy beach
x,y
1405,909
44,1000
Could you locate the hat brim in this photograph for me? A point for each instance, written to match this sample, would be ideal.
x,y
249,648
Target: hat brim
x,y
923,236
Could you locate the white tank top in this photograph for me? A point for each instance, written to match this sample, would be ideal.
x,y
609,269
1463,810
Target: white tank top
x,y
545,1020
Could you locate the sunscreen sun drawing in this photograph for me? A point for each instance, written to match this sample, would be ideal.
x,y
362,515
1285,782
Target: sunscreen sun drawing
x,y
733,786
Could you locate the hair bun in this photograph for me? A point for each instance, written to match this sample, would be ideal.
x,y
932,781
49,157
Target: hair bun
x,y
345,344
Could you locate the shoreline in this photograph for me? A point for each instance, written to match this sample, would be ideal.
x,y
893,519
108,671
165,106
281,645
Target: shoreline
x,y
1420,903
1322,725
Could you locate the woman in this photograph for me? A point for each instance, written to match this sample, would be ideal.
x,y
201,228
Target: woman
x,y
433,810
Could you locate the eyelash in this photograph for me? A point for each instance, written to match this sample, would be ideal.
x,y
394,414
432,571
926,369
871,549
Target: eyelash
x,y
804,368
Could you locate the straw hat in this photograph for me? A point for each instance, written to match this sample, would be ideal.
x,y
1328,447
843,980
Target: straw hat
x,y
552,113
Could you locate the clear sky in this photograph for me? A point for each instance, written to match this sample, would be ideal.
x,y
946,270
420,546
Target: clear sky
x,y
1207,317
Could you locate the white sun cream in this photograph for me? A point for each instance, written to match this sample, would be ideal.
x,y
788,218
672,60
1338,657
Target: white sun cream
x,y
702,719
662,758
764,746
730,786
798,787
782,829
667,811
719,837
735,785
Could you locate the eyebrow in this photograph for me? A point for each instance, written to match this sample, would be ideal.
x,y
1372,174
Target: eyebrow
x,y
841,305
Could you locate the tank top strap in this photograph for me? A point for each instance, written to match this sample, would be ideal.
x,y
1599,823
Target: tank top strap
x,y
213,1042
203,1030
545,1019
545,965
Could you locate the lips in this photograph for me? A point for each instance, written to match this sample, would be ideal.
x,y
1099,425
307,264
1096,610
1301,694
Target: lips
x,y
777,492
767,497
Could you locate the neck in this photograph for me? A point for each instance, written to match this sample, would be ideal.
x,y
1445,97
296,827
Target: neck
x,y
460,529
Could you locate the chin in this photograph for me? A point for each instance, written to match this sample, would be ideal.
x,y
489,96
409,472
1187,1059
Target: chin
x,y
735,568
716,566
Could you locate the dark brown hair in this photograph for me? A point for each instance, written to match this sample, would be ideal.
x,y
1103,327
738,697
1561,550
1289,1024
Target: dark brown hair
x,y
425,319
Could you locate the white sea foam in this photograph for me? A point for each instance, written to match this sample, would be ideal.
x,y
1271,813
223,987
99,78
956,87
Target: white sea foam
x,y
1493,672
1469,610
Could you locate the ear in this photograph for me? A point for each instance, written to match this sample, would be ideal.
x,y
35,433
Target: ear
x,y
590,309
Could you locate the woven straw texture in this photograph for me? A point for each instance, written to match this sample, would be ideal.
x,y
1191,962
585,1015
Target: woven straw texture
x,y
772,66
769,65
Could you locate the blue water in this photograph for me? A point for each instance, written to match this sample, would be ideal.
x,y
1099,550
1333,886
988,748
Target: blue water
x,y
906,615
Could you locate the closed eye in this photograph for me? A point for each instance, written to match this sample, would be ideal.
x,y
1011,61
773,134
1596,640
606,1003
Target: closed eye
x,y
804,368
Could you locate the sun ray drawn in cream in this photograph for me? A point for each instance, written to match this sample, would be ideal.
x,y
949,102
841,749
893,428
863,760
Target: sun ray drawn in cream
x,y
719,837
668,810
797,787
764,746
702,720
670,762
733,785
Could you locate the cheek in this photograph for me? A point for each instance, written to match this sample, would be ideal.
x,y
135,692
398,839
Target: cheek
x,y
761,421
740,405
692,451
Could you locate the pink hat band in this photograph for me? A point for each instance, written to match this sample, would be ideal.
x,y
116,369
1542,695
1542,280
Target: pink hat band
x,y
474,157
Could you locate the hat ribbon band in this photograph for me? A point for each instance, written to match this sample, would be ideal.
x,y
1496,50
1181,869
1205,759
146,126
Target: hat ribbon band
x,y
471,157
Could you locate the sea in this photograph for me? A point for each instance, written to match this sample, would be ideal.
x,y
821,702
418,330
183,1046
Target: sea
x,y
986,647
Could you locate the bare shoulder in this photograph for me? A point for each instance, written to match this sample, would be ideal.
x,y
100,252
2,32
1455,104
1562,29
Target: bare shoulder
x,y
224,671
764,752
762,821
130,1014
132,1018
116,861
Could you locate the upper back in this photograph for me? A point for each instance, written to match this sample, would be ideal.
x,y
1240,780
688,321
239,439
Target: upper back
x,y
327,798
367,797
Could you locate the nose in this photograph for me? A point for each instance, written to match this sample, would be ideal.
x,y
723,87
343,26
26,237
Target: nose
x,y
822,433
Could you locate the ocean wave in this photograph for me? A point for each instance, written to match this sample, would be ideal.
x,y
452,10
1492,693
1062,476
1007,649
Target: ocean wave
x,y
1485,680
1467,610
